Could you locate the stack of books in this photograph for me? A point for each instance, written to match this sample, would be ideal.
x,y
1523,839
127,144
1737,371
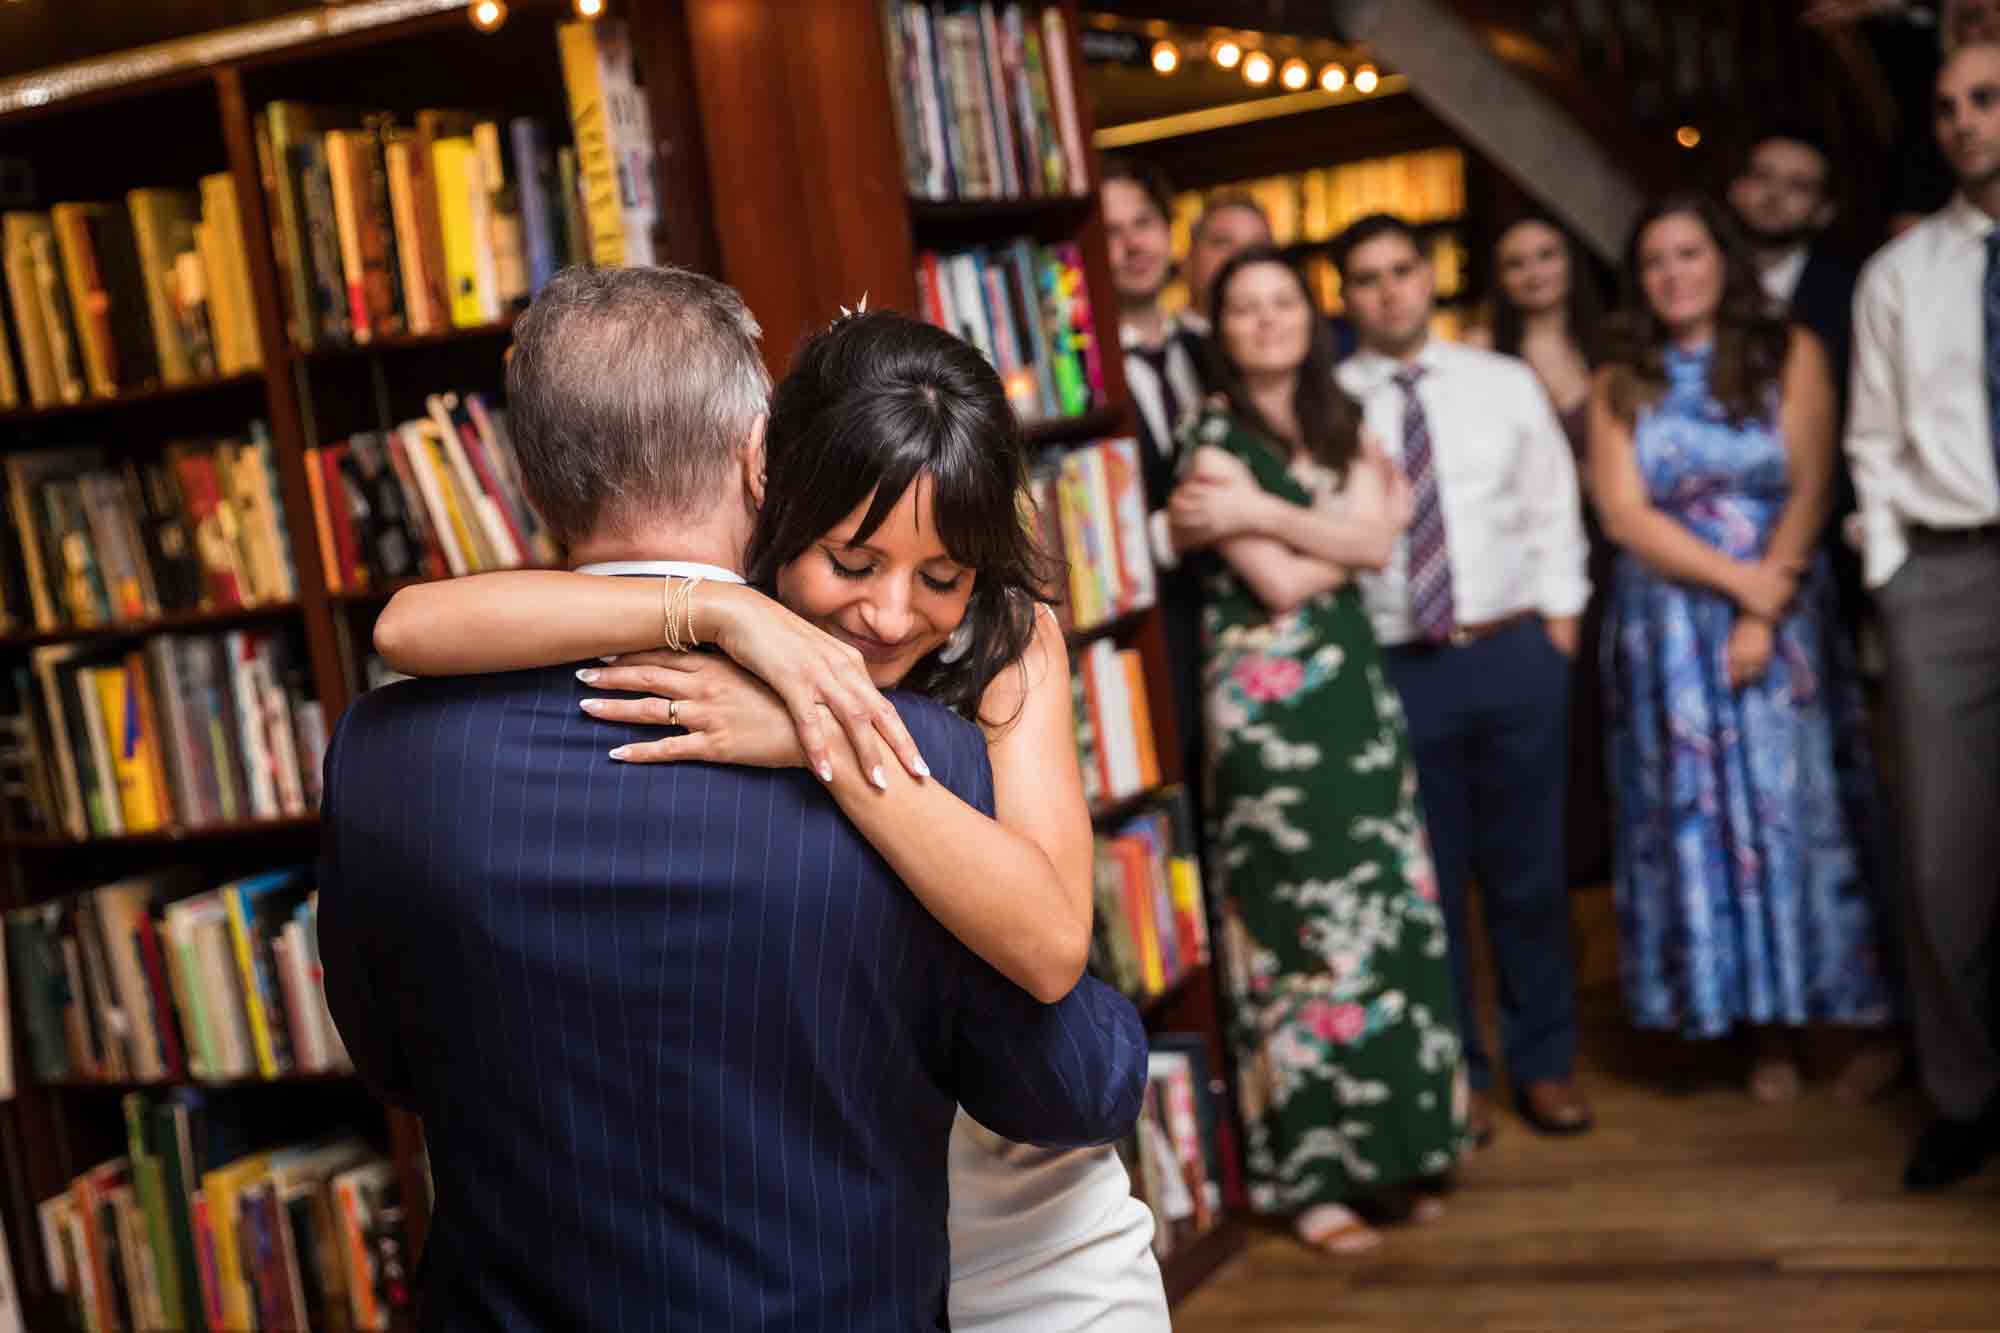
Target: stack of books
x,y
187,1231
1173,1156
1027,309
93,544
110,298
437,496
174,731
1114,725
1151,921
455,220
984,100
142,981
1090,508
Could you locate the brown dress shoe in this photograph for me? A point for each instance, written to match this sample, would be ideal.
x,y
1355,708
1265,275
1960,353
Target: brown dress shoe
x,y
1479,1122
1555,1106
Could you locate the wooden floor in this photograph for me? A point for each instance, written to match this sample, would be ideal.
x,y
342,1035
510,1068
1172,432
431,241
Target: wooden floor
x,y
1689,1208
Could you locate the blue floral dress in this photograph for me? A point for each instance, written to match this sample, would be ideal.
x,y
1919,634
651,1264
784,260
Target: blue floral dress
x,y
1349,1072
1748,820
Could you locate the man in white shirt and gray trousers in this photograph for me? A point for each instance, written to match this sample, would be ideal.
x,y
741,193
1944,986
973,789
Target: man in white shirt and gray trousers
x,y
1477,615
1923,428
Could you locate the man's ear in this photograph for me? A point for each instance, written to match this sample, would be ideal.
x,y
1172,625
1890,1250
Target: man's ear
x,y
753,462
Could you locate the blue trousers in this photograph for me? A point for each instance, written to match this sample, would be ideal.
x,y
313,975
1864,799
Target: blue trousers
x,y
1489,723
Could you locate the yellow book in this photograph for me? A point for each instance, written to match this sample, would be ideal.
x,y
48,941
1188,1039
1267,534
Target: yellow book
x,y
221,317
1184,884
163,224
470,541
220,1189
596,152
452,174
229,273
253,996
86,293
125,735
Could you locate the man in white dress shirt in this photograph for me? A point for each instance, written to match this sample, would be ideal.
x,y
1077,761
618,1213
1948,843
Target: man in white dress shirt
x,y
1477,613
1923,426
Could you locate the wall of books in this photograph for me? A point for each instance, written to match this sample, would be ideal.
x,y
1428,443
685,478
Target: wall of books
x,y
1308,209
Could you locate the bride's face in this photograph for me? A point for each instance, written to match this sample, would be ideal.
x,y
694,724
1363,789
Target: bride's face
x,y
894,597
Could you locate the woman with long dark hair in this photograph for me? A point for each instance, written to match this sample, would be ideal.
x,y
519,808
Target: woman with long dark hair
x,y
1546,309
888,535
1349,1076
1747,816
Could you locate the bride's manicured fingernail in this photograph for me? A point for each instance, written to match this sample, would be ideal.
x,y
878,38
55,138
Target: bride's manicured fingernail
x,y
879,778
590,705
922,770
622,752
588,675
825,771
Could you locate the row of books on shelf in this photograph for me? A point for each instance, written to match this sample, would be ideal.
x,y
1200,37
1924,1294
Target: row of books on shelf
x,y
985,101
1116,746
148,980
190,1230
440,495
1090,508
451,221
1175,1154
108,298
93,543
1318,204
1027,309
1151,920
175,731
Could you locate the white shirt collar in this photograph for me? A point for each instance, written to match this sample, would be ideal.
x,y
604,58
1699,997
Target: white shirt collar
x,y
1962,212
1781,280
1370,370
685,569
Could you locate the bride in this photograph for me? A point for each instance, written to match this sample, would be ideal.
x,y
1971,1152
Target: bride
x,y
890,536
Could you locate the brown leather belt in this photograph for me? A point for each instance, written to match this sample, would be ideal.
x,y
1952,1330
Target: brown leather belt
x,y
1470,634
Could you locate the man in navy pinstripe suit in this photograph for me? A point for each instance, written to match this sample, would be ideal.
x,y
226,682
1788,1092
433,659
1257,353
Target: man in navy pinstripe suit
x,y
686,1052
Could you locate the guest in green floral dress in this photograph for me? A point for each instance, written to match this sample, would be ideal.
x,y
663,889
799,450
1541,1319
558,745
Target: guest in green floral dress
x,y
1347,1048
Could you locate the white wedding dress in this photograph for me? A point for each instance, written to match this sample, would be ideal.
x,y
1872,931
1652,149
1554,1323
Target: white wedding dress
x,y
1044,1241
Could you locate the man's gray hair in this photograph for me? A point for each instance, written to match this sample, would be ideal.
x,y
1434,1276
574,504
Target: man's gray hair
x,y
631,393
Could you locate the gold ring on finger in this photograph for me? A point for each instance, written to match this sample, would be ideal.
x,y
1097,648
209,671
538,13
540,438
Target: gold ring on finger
x,y
673,712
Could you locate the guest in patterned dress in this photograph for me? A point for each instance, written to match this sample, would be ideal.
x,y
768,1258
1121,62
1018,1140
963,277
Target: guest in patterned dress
x,y
1346,1040
1747,813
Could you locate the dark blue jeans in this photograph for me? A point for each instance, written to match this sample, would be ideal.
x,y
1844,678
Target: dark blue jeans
x,y
1489,723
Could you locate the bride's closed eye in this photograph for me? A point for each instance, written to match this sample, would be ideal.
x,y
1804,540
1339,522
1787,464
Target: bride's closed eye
x,y
867,568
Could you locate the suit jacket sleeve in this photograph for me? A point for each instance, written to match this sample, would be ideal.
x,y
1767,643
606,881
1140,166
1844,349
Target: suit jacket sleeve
x,y
361,982
1064,1075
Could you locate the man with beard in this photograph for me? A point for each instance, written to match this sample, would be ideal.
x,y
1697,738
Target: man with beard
x,y
1923,438
1785,199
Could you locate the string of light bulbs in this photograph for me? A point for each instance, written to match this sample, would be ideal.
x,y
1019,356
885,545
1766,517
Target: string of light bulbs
x,y
1259,68
488,15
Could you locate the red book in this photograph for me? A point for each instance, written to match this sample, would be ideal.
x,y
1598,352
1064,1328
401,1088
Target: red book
x,y
158,987
340,515
202,490
475,454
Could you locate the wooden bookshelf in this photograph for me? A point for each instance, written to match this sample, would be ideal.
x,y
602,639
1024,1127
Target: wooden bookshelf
x,y
180,622
827,149
24,416
172,835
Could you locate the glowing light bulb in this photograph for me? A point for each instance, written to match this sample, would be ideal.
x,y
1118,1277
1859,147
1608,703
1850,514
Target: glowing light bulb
x,y
1366,80
488,15
1333,78
1295,75
1166,57
1687,136
589,9
1257,69
1226,54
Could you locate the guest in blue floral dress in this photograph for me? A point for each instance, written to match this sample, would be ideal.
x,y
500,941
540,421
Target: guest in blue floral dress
x,y
1747,816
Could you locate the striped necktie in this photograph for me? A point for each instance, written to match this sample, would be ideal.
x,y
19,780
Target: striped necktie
x,y
1429,571
1992,304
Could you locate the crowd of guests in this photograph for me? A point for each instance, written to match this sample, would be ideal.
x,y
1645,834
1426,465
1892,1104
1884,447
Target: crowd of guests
x,y
1581,595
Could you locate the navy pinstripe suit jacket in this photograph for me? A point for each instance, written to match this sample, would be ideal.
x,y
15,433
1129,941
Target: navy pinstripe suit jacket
x,y
685,1050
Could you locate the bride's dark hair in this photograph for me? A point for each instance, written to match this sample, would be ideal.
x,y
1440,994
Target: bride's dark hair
x,y
870,405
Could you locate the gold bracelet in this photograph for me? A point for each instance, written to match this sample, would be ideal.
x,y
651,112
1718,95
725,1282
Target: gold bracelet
x,y
693,639
669,628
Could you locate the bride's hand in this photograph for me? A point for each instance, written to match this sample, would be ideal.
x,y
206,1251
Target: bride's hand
x,y
729,715
810,671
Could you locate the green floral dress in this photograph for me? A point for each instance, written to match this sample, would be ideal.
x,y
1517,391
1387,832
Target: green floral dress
x,y
1347,1051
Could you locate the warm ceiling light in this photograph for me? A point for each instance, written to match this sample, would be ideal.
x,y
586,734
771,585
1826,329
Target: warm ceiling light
x,y
1226,54
1366,79
1166,56
488,15
589,9
1296,74
1257,69
1333,78
1687,136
